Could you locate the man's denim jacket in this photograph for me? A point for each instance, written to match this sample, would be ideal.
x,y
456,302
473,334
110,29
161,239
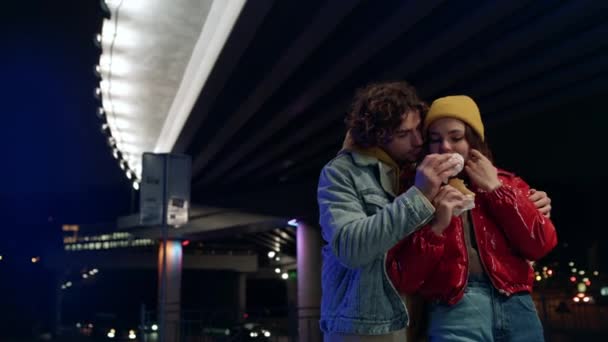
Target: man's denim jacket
x,y
361,220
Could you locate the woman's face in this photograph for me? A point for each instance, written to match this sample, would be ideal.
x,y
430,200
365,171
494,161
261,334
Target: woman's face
x,y
447,135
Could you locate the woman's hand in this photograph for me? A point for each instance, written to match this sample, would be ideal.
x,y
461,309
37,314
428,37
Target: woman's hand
x,y
481,172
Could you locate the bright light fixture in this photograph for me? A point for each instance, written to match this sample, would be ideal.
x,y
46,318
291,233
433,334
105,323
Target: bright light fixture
x,y
146,105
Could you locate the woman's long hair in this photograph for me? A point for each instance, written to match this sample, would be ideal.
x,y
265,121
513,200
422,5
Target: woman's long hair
x,y
476,142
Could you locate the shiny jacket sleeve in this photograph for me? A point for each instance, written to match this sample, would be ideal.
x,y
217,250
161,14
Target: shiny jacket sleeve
x,y
356,238
411,261
527,230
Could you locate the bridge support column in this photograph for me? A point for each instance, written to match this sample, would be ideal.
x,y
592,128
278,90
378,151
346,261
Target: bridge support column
x,y
308,247
170,256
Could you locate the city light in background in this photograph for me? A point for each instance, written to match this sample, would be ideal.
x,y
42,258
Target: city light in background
x,y
576,277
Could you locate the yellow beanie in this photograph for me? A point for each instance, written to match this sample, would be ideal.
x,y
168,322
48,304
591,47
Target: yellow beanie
x,y
459,107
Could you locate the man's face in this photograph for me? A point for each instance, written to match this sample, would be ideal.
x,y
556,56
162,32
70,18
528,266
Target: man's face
x,y
406,143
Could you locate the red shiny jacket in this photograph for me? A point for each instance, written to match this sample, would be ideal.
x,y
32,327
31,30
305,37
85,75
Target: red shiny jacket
x,y
509,231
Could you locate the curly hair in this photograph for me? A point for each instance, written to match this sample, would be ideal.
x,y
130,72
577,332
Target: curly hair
x,y
377,111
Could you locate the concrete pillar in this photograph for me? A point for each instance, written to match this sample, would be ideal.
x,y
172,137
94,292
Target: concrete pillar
x,y
241,296
170,281
308,246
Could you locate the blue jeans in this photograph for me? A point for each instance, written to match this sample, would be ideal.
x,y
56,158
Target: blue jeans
x,y
483,314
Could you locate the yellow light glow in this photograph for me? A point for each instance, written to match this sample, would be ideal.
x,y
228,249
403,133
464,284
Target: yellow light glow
x,y
581,287
70,228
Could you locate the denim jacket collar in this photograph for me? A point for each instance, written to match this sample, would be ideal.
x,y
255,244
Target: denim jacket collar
x,y
388,176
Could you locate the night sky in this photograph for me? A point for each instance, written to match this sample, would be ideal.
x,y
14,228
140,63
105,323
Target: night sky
x,y
57,166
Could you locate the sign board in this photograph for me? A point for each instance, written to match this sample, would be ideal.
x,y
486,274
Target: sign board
x,y
164,196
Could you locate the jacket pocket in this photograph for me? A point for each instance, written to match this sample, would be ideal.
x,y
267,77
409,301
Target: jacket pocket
x,y
374,202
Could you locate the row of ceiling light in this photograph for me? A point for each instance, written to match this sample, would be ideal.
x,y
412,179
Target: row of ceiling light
x,y
111,124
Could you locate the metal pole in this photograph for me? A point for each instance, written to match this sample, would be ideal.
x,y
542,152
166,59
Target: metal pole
x,y
142,322
58,305
163,274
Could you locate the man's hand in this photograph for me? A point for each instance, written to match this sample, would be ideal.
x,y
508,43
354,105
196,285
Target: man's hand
x,y
447,200
481,171
542,201
432,173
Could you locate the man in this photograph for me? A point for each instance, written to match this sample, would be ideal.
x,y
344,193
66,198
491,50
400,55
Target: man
x,y
362,214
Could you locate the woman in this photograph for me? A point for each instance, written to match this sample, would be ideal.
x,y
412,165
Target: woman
x,y
475,268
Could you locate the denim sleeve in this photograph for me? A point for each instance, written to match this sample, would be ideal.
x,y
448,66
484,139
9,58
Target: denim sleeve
x,y
357,239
